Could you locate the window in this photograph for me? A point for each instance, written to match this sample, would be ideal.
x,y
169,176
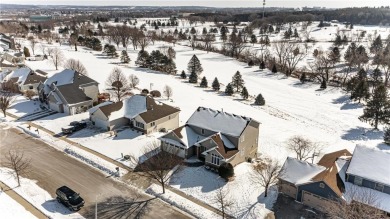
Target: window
x,y
152,124
139,124
202,131
215,159
30,87
358,181
322,185
379,187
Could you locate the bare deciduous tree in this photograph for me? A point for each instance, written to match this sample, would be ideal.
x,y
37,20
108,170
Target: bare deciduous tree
x,y
16,161
302,147
168,91
33,43
133,80
57,57
160,163
358,205
265,174
223,200
6,100
75,65
117,84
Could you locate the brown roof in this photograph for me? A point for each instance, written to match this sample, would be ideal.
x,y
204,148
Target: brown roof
x,y
34,78
157,111
222,149
178,132
108,109
328,159
330,175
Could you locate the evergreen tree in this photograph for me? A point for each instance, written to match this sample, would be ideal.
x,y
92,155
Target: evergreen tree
x,y
193,78
125,57
377,109
376,45
295,35
253,39
262,65
229,90
274,70
183,75
260,100
251,63
143,59
361,91
338,41
302,78
244,93
386,135
204,82
194,65
237,81
215,84
26,52
111,51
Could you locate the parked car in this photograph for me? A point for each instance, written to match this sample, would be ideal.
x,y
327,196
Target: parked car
x,y
74,127
69,198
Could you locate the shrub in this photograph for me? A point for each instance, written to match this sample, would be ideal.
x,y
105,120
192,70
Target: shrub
x,y
155,93
386,136
260,100
226,171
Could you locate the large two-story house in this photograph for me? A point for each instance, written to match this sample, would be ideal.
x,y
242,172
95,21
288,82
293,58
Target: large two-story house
x,y
215,137
140,112
339,176
69,92
21,80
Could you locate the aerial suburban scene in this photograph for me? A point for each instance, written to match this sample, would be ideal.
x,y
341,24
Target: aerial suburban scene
x,y
170,109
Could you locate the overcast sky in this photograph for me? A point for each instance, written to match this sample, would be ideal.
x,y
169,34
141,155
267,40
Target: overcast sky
x,y
211,3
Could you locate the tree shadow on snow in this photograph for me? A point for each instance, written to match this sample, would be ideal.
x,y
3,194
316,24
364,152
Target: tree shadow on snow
x,y
348,104
383,146
361,133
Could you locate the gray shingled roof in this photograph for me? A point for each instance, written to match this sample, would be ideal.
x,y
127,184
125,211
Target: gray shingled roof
x,y
73,94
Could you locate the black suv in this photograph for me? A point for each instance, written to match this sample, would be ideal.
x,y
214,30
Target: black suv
x,y
74,127
69,198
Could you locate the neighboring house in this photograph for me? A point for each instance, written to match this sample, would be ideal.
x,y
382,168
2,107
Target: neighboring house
x,y
9,42
22,79
338,177
16,58
69,92
215,137
6,65
139,112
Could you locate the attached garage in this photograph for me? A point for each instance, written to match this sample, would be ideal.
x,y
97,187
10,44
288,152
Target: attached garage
x,y
288,189
313,200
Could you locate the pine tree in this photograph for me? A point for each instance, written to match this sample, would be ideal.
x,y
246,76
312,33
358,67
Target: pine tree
x,y
229,90
183,75
274,70
237,81
376,45
215,84
262,65
386,135
295,35
251,63
260,100
244,93
194,65
338,41
204,82
253,39
26,52
193,78
125,57
143,59
361,91
377,109
302,78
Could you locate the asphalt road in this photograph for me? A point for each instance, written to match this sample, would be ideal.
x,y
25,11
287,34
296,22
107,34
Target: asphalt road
x,y
52,169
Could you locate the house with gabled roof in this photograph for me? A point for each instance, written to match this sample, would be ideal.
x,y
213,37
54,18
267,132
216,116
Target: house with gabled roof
x,y
215,137
22,79
69,92
140,112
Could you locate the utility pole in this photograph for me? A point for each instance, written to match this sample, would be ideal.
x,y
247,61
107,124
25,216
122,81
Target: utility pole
x,y
263,8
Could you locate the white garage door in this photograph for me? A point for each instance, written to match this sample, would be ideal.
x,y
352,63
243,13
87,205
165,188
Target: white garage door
x,y
314,201
288,189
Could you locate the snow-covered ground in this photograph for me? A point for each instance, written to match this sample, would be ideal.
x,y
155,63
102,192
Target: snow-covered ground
x,y
21,106
9,208
249,200
38,197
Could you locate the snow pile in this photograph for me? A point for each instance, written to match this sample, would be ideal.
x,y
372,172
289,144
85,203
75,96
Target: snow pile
x,y
249,200
182,203
38,197
9,208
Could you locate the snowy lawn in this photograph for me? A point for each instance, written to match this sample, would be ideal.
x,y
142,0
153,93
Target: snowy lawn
x,y
21,106
9,208
127,142
38,197
249,200
182,203
57,121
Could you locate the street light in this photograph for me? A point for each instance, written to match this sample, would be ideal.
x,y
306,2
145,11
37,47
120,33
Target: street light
x,y
96,197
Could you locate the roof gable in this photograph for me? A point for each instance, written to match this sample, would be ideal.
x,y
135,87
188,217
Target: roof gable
x,y
299,172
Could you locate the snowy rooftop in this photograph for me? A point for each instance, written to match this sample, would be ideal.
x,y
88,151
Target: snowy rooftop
x,y
298,172
61,78
218,121
20,73
188,136
370,164
134,106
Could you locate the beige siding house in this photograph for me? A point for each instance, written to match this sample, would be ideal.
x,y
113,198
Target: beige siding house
x,y
21,80
216,137
140,112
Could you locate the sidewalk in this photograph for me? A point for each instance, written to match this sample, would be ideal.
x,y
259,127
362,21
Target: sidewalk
x,y
29,207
